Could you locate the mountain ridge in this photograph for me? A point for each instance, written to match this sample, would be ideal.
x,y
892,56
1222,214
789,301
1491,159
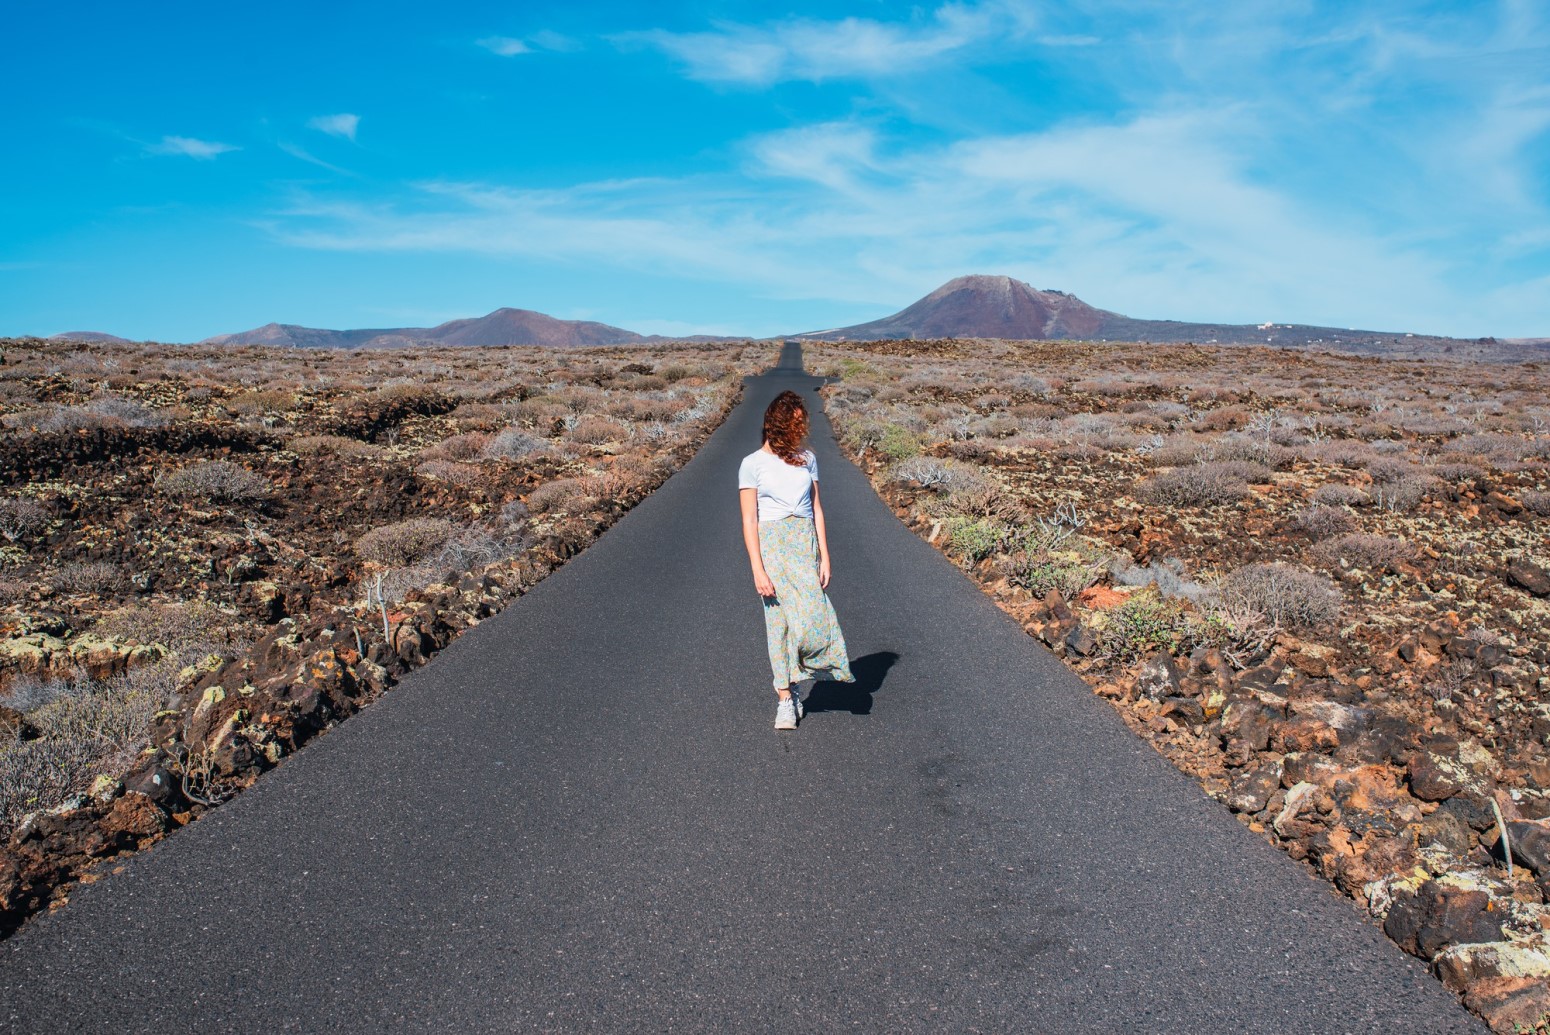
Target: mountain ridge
x,y
993,306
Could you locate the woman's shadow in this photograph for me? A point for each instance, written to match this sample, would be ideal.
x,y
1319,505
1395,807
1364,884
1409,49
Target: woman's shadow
x,y
856,698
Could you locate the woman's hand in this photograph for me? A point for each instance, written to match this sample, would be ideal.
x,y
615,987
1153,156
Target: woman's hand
x,y
762,583
823,572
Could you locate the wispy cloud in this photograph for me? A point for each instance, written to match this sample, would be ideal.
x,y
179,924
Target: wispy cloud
x,y
544,39
816,50
341,125
304,155
505,46
189,146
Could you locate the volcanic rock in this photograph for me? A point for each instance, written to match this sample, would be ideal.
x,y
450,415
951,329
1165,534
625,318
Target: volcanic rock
x,y
1426,921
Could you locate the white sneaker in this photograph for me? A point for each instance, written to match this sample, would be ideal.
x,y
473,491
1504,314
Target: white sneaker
x,y
786,715
796,700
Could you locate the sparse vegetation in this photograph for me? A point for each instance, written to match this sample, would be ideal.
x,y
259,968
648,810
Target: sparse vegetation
x,y
246,544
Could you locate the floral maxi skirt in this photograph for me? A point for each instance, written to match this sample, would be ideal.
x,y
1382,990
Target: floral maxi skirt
x,y
799,622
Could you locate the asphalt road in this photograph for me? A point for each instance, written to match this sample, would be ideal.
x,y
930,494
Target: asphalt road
x,y
578,818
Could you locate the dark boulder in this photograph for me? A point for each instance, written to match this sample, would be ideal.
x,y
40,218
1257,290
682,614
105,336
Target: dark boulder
x,y
1436,915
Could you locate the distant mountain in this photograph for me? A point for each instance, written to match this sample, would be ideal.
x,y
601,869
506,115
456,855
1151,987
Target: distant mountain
x,y
525,327
502,327
96,337
1000,307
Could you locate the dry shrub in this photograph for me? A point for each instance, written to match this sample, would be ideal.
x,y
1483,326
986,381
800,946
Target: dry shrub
x,y
1340,452
457,447
1538,502
112,411
1198,485
21,519
1226,418
217,481
268,400
88,577
1339,494
541,409
595,431
404,542
83,727
1039,573
560,494
1362,550
1459,471
513,444
1288,597
190,630
636,408
1248,449
1401,494
449,471
929,472
1320,521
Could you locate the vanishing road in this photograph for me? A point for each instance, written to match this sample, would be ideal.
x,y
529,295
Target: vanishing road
x,y
578,818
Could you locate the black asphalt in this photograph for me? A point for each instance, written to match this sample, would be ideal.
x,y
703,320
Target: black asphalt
x,y
578,818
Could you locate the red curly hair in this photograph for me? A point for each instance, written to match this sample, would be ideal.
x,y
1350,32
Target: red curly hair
x,y
785,427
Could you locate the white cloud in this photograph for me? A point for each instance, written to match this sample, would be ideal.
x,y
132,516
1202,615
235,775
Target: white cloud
x,y
505,46
201,149
810,49
306,156
342,125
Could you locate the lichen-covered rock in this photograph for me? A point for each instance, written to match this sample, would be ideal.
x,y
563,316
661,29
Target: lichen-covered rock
x,y
1461,966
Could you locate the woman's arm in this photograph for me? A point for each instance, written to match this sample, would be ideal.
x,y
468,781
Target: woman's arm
x,y
823,540
749,499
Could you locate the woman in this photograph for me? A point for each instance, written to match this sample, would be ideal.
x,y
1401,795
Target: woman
x,y
784,532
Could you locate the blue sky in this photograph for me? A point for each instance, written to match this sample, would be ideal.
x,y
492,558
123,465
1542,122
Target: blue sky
x,y
210,167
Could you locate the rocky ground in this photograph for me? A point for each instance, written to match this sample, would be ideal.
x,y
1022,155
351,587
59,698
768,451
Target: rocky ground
x,y
1316,583
209,555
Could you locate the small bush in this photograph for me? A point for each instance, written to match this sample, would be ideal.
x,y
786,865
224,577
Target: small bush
x,y
449,471
1403,493
1198,485
1339,494
404,542
260,402
217,481
1143,624
457,447
190,630
974,539
560,494
1456,471
596,431
941,475
88,577
84,728
21,519
897,443
1039,573
1538,502
513,444
1360,550
1288,597
1321,522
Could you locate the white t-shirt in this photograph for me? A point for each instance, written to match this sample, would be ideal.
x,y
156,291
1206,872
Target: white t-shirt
x,y
785,490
